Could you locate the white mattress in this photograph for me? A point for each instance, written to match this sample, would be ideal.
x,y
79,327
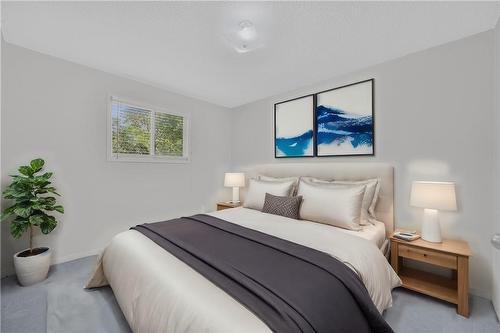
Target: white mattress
x,y
374,233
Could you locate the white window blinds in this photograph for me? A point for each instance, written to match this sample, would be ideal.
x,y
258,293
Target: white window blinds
x,y
146,133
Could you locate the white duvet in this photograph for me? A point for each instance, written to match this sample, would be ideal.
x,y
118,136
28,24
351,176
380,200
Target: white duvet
x,y
159,293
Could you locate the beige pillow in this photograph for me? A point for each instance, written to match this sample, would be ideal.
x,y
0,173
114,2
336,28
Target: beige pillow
x,y
257,189
319,180
334,204
285,179
369,199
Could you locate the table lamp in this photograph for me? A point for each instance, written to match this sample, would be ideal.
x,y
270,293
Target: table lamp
x,y
235,180
433,196
495,241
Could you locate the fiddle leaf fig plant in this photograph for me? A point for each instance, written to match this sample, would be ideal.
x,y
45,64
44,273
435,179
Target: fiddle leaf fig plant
x,y
34,201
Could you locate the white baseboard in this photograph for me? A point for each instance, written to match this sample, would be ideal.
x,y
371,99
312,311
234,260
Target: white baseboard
x,y
496,296
57,260
61,259
480,293
496,307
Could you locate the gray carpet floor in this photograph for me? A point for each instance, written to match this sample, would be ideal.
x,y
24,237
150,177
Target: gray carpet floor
x,y
60,304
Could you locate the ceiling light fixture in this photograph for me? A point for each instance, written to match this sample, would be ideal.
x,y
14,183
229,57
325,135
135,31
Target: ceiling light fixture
x,y
243,38
247,30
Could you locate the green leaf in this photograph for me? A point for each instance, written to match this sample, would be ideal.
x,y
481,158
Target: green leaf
x,y
47,175
48,201
17,195
23,211
37,206
8,190
18,227
41,182
36,219
52,190
48,224
26,170
37,164
7,212
59,208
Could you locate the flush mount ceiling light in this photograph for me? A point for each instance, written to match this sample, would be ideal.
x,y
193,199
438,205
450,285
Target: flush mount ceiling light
x,y
247,30
244,38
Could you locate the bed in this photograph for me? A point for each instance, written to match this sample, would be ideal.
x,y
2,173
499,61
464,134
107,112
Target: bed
x,y
158,292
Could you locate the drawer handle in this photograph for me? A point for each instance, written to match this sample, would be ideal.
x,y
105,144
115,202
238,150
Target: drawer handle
x,y
425,254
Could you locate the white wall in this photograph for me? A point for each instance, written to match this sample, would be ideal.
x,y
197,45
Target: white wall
x,y
433,121
57,110
496,220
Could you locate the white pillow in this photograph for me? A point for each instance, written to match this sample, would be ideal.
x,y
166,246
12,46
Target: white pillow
x,y
257,189
334,204
369,199
275,179
319,180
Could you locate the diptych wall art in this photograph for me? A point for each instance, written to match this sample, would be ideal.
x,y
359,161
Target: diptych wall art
x,y
294,128
336,122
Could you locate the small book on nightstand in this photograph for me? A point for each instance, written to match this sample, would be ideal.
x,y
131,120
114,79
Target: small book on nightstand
x,y
406,235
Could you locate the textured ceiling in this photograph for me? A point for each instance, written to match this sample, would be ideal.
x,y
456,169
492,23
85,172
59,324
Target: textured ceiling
x,y
183,46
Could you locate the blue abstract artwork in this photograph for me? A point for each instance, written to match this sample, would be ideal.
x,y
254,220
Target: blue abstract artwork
x,y
344,118
294,128
295,146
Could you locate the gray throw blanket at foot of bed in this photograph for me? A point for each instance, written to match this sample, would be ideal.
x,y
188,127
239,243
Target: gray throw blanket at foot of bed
x,y
290,287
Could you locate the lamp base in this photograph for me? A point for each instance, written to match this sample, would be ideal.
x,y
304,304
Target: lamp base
x,y
431,230
495,240
236,195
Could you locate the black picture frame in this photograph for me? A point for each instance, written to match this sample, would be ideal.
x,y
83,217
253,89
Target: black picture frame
x,y
372,80
313,106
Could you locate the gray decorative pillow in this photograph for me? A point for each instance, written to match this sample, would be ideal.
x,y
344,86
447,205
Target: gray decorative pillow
x,y
284,206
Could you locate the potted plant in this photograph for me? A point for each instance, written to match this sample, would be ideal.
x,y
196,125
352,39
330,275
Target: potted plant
x,y
33,198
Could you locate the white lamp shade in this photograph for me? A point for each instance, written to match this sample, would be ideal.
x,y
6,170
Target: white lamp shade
x,y
433,195
234,179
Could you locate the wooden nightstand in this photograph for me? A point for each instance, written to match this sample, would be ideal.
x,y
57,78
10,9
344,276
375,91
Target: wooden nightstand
x,y
451,254
226,205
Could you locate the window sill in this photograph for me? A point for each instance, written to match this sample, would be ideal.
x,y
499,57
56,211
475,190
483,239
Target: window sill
x,y
149,159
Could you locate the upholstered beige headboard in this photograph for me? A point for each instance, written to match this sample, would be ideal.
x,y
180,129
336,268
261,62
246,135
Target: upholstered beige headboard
x,y
339,171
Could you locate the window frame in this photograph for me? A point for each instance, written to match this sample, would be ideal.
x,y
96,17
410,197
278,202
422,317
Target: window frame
x,y
151,158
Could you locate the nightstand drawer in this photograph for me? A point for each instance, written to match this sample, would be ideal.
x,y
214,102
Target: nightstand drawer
x,y
428,256
222,207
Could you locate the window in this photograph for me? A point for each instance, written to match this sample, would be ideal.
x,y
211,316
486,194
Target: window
x,y
146,134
